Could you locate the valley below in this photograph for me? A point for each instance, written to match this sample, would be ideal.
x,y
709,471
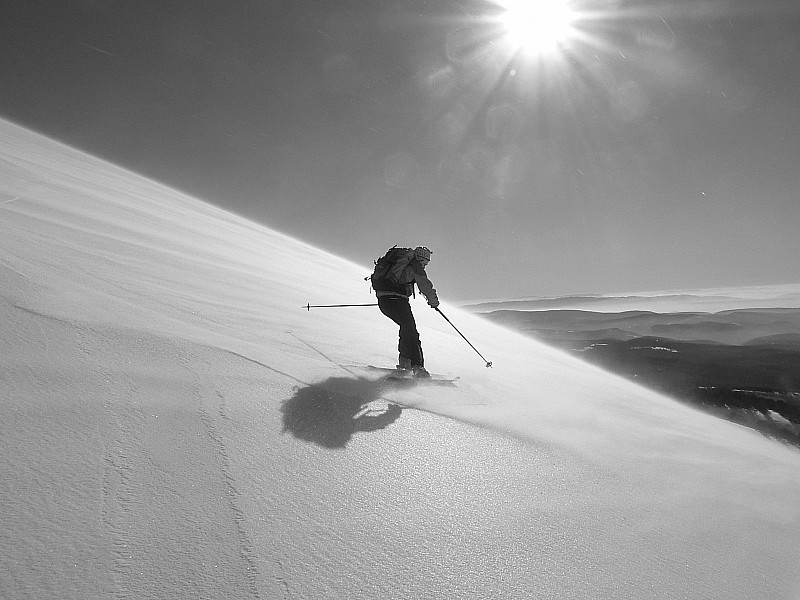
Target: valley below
x,y
742,365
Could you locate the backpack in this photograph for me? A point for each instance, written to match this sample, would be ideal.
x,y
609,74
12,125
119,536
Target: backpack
x,y
388,269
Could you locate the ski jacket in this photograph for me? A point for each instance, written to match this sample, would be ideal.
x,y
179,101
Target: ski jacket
x,y
413,273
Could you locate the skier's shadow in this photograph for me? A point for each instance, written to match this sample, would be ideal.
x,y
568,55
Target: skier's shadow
x,y
330,412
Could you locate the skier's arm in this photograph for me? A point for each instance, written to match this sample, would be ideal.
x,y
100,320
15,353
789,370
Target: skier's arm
x,y
425,286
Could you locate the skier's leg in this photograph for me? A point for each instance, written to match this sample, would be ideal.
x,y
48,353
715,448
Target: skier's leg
x,y
410,345
388,306
399,311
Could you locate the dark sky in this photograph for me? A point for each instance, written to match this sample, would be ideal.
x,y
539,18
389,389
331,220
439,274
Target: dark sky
x,y
658,149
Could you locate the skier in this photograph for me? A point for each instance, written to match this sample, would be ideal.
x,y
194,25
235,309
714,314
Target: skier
x,y
393,289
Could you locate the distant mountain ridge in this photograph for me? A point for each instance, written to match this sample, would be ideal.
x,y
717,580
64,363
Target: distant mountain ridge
x,y
711,300
725,327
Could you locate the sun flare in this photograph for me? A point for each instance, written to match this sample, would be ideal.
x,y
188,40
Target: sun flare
x,y
537,27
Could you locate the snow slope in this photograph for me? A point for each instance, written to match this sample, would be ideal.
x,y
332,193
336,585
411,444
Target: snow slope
x,y
174,425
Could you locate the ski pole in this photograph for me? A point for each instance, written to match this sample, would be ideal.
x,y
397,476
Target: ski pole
x,y
309,306
488,362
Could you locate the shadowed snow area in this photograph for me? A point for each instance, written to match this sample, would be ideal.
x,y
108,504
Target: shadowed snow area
x,y
174,425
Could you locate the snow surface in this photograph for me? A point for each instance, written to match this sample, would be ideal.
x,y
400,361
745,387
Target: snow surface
x,y
174,425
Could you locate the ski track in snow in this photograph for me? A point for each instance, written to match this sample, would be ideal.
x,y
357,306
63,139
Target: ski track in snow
x,y
175,426
247,553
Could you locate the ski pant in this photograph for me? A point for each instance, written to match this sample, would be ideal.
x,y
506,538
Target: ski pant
x,y
398,309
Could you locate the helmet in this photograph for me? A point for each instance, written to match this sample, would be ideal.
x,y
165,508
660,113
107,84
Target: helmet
x,y
422,253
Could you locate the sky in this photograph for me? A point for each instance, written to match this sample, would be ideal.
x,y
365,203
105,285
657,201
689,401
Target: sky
x,y
654,146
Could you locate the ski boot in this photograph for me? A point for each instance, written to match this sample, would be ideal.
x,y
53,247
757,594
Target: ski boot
x,y
419,372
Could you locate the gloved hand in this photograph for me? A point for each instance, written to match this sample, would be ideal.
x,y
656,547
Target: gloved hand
x,y
433,304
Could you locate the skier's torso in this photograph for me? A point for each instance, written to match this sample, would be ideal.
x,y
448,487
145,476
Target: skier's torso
x,y
413,273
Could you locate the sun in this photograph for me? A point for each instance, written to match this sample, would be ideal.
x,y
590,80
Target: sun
x,y
537,27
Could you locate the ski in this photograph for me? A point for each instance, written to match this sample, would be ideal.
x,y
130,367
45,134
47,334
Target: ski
x,y
405,375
